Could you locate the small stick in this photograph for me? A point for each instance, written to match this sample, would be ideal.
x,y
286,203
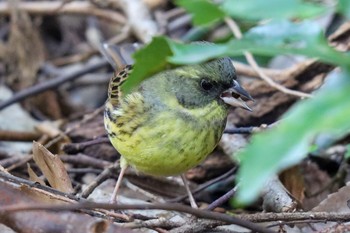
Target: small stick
x,y
51,84
18,136
99,179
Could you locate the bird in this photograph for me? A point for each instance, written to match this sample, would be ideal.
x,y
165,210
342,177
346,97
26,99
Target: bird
x,y
172,120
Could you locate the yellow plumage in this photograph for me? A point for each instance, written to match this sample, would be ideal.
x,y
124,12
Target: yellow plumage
x,y
165,144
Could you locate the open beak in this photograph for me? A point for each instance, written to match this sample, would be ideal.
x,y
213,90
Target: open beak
x,y
236,96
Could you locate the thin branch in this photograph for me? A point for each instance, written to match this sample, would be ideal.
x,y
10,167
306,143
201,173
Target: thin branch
x,y
250,59
51,84
73,148
40,188
171,207
224,176
10,135
99,179
224,198
297,216
84,160
56,7
259,217
243,69
240,130
248,130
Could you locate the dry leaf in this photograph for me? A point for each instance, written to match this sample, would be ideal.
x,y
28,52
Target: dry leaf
x,y
337,202
24,50
52,168
33,176
293,180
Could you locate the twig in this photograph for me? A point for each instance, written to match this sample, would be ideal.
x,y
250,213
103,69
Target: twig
x,y
175,12
122,36
73,148
243,69
153,223
9,161
248,130
81,159
84,171
199,226
280,223
259,217
87,117
240,130
150,196
250,59
10,135
296,216
99,179
19,162
55,194
224,198
206,185
51,84
55,7
44,189
173,207
179,22
74,58
2,169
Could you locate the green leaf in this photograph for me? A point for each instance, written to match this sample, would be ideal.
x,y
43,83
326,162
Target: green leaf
x,y
272,39
343,7
271,9
287,144
203,11
347,153
275,38
195,52
148,61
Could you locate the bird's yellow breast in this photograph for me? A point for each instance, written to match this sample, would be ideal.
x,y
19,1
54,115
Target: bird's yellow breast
x,y
164,142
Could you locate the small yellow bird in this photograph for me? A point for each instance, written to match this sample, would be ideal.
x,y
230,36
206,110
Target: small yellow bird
x,y
172,120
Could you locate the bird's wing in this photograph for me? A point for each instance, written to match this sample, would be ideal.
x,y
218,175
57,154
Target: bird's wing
x,y
114,90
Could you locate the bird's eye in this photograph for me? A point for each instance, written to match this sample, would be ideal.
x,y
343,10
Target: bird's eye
x,y
206,85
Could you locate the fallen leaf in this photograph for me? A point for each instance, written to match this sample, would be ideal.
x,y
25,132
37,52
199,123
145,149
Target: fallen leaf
x,y
338,202
52,167
34,177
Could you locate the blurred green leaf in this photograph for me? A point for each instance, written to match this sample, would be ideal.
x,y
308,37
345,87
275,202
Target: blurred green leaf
x,y
275,38
203,11
304,38
343,7
271,9
288,143
347,153
148,61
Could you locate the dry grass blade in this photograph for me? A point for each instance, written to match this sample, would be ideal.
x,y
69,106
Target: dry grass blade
x,y
33,176
52,168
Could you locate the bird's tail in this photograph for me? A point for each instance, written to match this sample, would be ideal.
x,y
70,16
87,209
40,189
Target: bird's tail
x,y
120,58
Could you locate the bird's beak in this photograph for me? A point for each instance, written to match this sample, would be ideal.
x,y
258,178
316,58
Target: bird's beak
x,y
236,96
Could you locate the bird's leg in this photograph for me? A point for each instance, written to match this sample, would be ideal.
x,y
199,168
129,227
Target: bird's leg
x,y
190,196
123,167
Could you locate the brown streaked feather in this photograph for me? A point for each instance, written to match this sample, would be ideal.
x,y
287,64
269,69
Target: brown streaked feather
x,y
114,88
